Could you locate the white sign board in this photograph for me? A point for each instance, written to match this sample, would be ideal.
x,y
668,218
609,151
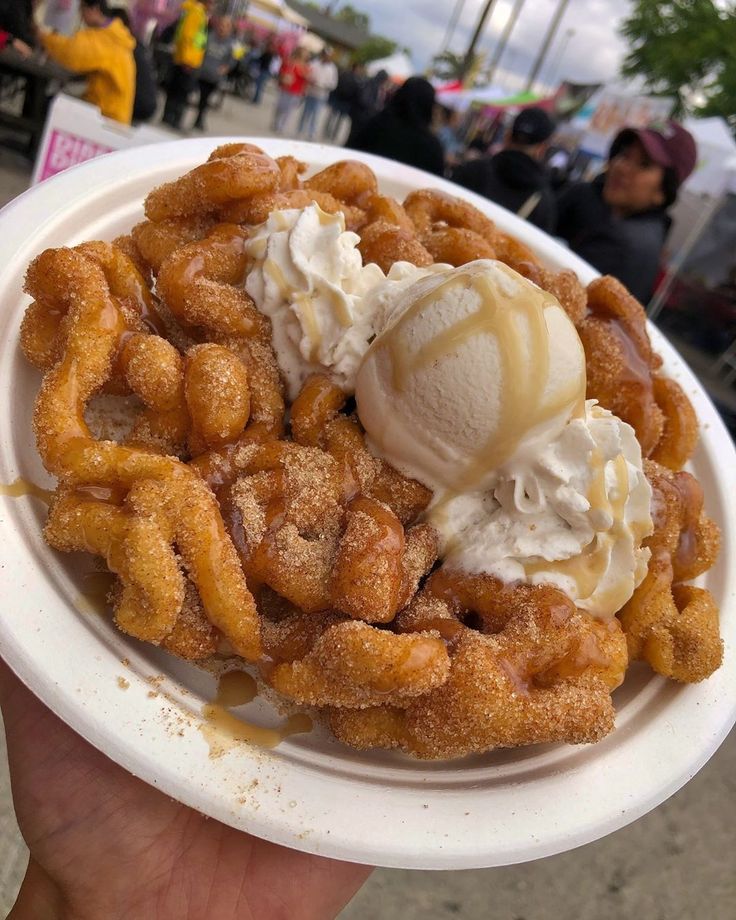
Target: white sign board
x,y
76,131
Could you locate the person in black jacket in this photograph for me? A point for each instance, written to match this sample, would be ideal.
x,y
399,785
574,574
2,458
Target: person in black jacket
x,y
366,102
619,222
401,131
342,99
515,178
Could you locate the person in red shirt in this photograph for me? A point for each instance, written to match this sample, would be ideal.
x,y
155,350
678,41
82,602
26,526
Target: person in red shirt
x,y
292,83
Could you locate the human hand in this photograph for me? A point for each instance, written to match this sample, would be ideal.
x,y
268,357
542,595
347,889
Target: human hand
x,y
22,48
107,846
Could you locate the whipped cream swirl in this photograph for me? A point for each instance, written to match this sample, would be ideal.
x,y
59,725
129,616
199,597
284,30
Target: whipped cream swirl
x,y
325,306
574,516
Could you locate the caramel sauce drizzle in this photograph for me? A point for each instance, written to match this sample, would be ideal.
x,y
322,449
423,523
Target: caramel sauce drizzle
x,y
303,300
93,597
236,688
636,365
587,569
520,328
691,494
20,487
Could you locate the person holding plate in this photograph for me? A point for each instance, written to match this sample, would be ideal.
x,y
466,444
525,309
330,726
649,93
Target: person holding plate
x,y
104,844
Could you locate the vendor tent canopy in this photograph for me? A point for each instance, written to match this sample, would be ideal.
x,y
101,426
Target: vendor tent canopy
x,y
460,100
274,14
519,101
491,98
716,167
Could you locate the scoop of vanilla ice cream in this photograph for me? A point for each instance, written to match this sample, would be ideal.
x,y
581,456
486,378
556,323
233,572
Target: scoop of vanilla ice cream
x,y
325,306
477,389
477,366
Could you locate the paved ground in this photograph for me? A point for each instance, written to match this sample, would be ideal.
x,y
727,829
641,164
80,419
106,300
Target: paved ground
x,y
675,864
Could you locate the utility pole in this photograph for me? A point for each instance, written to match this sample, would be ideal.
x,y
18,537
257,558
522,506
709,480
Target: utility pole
x,y
504,39
452,24
554,69
551,32
470,53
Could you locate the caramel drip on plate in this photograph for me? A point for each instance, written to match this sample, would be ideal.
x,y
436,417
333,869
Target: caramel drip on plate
x,y
236,688
221,728
19,487
93,597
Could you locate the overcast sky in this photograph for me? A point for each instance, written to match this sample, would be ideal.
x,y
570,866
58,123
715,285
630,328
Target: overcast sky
x,y
591,54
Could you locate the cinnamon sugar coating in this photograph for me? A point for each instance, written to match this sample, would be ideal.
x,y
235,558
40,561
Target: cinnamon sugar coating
x,y
232,519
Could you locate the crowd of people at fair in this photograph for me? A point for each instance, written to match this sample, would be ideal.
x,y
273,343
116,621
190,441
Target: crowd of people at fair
x,y
618,222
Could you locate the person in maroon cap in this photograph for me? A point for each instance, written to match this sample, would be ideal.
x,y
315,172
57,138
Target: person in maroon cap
x,y
619,222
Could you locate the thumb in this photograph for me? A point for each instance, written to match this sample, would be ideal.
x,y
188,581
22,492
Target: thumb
x,y
32,730
12,693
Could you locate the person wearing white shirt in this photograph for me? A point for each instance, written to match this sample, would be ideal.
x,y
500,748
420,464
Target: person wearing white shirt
x,y
322,79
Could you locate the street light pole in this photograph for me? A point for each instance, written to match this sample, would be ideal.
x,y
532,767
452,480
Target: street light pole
x,y
452,24
470,53
548,38
554,70
504,39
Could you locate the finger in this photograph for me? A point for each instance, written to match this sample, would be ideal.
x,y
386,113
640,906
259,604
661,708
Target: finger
x,y
17,701
7,681
15,698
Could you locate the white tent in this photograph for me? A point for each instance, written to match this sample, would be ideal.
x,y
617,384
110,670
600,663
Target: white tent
x,y
716,156
398,66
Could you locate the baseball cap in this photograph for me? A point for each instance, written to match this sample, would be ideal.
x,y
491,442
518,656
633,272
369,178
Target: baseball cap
x,y
667,143
532,126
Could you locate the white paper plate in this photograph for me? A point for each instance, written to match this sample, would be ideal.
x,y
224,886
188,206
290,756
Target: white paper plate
x,y
310,792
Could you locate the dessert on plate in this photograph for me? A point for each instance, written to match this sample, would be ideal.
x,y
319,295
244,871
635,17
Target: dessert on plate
x,y
430,488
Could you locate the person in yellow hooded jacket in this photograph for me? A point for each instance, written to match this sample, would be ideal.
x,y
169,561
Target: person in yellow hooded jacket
x,y
190,43
104,51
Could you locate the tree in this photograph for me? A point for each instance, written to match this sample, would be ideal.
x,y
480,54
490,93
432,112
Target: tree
x,y
450,66
447,65
353,17
375,48
685,49
347,14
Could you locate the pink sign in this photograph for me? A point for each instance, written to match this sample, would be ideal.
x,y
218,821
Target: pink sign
x,y
65,150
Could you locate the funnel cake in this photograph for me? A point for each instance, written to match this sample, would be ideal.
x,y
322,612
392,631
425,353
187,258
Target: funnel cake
x,y
236,522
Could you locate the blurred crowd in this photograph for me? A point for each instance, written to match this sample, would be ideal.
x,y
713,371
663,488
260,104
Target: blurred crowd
x,y
618,222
